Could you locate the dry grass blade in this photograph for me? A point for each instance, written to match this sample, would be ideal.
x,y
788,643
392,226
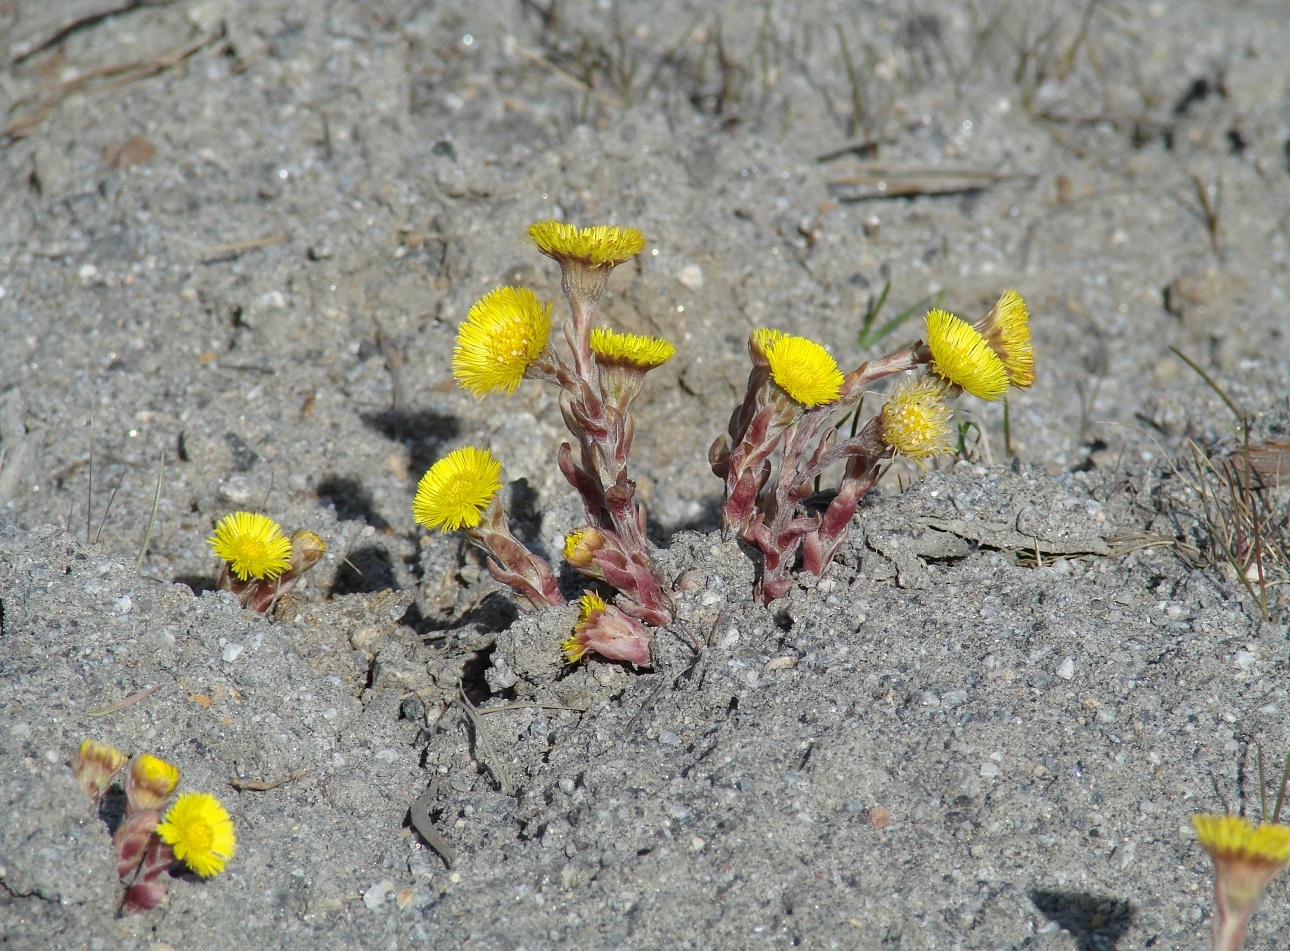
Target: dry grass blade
x,y
872,180
232,249
121,74
484,744
128,701
255,785
419,813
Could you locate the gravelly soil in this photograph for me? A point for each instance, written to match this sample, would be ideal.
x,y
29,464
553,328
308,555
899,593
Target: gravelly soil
x,y
986,727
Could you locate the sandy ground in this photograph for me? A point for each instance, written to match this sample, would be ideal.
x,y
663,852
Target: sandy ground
x,y
236,241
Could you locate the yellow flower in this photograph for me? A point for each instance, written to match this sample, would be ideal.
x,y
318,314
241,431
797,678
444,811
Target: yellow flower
x,y
597,245
961,355
95,765
1006,328
634,350
200,831
149,782
1246,859
764,337
455,491
915,419
503,335
252,545
573,648
803,369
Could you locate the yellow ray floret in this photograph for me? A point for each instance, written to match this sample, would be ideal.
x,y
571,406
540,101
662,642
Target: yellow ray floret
x,y
200,831
1231,837
455,491
763,338
916,420
503,334
635,350
252,545
1007,329
963,357
804,370
598,245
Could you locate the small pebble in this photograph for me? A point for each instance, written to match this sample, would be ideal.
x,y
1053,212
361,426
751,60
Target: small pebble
x,y
1066,669
376,896
232,652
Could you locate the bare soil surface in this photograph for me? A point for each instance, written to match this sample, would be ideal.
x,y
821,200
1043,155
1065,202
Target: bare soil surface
x,y
236,241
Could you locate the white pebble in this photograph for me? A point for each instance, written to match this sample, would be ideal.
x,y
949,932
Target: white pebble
x,y
232,652
1066,669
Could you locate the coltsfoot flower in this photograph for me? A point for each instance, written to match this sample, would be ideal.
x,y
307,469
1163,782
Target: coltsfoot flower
x,y
1246,858
95,766
252,545
1006,328
607,631
916,419
801,368
633,350
963,357
201,833
149,782
504,333
455,491
598,245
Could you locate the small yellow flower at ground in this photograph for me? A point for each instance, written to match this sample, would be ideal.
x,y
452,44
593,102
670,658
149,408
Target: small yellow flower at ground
x,y
633,350
1006,328
503,335
963,357
1245,857
201,833
916,419
95,765
597,245
590,606
252,545
804,370
455,491
150,781
764,337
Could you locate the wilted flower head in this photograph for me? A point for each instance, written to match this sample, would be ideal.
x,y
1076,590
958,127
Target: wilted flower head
x,y
306,550
503,335
962,356
580,547
801,368
599,245
201,833
95,765
149,782
1006,328
916,419
455,491
252,545
609,632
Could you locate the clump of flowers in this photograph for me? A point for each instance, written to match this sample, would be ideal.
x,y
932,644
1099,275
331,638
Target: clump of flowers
x,y
797,401
195,830
1246,858
505,338
260,564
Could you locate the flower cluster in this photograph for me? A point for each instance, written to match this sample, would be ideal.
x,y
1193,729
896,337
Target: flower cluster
x,y
260,564
506,338
195,830
1246,858
795,404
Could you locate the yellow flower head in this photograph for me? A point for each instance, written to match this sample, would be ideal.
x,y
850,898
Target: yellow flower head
x,y
95,765
802,368
916,420
252,545
590,607
1245,858
963,357
503,335
632,350
598,245
149,782
573,647
455,491
1006,328
200,831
